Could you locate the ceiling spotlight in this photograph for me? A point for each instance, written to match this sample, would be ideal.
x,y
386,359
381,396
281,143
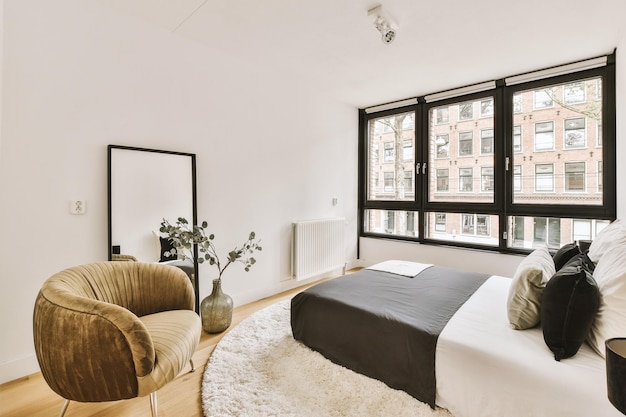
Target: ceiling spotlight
x,y
383,23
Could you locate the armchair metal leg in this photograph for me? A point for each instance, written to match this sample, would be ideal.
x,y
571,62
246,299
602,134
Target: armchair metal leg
x,y
193,367
64,408
153,404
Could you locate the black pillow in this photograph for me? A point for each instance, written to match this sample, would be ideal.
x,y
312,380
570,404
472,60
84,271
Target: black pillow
x,y
569,305
564,254
166,246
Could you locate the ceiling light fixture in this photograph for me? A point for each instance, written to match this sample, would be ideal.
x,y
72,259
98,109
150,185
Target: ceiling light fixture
x,y
384,23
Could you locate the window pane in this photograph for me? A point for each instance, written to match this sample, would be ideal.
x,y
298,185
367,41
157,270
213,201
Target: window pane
x,y
574,93
575,176
517,138
390,173
486,141
563,133
532,232
544,136
391,222
486,107
543,98
466,179
544,177
442,142
486,179
466,111
465,144
459,149
463,227
441,115
517,178
575,135
442,179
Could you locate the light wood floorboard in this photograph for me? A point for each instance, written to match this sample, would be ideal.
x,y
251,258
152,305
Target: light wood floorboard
x,y
31,397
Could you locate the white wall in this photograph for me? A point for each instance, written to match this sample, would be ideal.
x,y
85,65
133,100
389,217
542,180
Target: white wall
x,y
78,77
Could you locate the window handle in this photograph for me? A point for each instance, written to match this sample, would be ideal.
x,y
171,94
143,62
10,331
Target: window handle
x,y
506,163
424,168
417,168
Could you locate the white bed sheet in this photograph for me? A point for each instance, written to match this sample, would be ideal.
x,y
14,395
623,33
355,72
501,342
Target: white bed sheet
x,y
484,368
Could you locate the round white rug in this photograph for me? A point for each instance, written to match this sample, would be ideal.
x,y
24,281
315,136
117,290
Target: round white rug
x,y
258,369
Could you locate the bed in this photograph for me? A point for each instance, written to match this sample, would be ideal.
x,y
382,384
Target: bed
x,y
480,365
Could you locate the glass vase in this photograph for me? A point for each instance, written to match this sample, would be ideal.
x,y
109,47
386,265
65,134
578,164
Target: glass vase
x,y
216,310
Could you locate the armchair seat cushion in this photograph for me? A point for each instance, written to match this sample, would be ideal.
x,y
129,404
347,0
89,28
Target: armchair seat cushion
x,y
175,335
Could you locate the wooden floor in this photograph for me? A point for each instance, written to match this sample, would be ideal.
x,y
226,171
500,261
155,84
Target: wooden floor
x,y
31,397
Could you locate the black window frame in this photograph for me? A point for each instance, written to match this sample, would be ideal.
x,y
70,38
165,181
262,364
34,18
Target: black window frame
x,y
502,205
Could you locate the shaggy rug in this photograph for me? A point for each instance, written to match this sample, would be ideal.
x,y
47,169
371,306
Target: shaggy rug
x,y
258,369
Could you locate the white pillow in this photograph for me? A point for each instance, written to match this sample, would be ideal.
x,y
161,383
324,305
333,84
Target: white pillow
x,y
613,234
524,300
610,275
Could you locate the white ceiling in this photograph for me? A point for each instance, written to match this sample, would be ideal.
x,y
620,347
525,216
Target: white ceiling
x,y
332,45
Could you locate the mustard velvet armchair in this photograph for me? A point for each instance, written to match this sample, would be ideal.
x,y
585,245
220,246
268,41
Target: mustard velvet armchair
x,y
114,330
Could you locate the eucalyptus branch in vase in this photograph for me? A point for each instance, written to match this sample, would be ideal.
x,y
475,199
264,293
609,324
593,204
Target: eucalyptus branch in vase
x,y
184,237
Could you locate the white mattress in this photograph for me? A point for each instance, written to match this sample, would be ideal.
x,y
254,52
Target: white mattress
x,y
484,368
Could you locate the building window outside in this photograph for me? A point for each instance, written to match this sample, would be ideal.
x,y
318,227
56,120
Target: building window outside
x,y
518,231
408,181
442,180
486,108
544,177
466,110
466,179
544,136
443,146
574,176
517,103
465,143
388,185
600,176
575,133
389,154
574,93
467,224
440,222
482,225
442,115
407,149
581,230
486,179
517,138
599,135
547,231
391,221
543,99
486,141
584,229
517,178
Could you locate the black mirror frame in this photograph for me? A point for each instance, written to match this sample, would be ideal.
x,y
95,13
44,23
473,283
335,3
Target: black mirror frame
x,y
110,148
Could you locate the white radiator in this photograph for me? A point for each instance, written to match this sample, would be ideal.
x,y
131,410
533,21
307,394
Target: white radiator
x,y
318,247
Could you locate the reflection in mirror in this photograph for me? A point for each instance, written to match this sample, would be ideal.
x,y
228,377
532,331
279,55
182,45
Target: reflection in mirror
x,y
146,186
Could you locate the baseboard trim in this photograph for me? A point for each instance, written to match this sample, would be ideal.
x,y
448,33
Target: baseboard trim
x,y
19,368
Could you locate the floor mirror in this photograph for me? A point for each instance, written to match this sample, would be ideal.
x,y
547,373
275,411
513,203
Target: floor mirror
x,y
146,186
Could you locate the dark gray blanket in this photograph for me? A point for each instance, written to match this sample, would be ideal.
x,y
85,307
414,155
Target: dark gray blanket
x,y
383,325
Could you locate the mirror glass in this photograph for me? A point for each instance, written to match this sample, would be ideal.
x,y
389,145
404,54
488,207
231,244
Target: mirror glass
x,y
146,186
